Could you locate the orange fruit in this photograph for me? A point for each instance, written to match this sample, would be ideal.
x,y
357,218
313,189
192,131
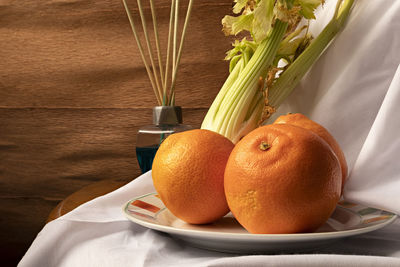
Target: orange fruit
x,y
282,178
303,121
188,174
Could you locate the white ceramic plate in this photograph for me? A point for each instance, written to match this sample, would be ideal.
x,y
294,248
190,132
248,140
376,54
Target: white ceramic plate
x,y
227,235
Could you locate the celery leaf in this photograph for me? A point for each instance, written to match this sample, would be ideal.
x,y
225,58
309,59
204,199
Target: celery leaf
x,y
308,7
234,25
263,17
240,4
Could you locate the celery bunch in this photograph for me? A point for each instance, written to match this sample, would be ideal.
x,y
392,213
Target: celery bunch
x,y
266,65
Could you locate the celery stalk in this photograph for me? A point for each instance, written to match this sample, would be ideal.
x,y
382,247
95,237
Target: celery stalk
x,y
290,78
241,103
229,110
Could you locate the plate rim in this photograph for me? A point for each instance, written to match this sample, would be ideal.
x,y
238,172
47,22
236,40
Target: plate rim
x,y
252,237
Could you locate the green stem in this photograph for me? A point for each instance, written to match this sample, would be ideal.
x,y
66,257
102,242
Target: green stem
x,y
226,115
216,105
257,67
290,78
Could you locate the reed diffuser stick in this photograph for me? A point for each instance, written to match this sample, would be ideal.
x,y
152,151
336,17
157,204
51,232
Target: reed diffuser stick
x,y
149,47
165,93
175,70
140,47
175,35
171,21
155,29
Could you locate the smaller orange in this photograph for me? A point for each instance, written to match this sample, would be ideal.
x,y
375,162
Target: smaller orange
x,y
188,174
303,121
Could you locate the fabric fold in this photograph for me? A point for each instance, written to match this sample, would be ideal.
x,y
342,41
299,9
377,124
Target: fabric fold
x,y
375,178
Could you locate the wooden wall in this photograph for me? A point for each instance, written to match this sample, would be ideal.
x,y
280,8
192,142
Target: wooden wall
x,y
73,92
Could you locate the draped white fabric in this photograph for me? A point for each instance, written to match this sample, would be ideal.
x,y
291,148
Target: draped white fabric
x,y
353,90
97,234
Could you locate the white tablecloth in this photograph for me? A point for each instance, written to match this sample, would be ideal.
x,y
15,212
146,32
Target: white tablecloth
x,y
353,90
97,234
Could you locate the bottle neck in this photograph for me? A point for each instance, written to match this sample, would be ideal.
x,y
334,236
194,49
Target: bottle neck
x,y
167,115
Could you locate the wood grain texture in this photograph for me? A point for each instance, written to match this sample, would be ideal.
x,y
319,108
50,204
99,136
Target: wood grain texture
x,y
82,54
73,93
47,154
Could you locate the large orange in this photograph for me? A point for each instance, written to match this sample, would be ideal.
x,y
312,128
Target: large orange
x,y
303,121
282,179
188,174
